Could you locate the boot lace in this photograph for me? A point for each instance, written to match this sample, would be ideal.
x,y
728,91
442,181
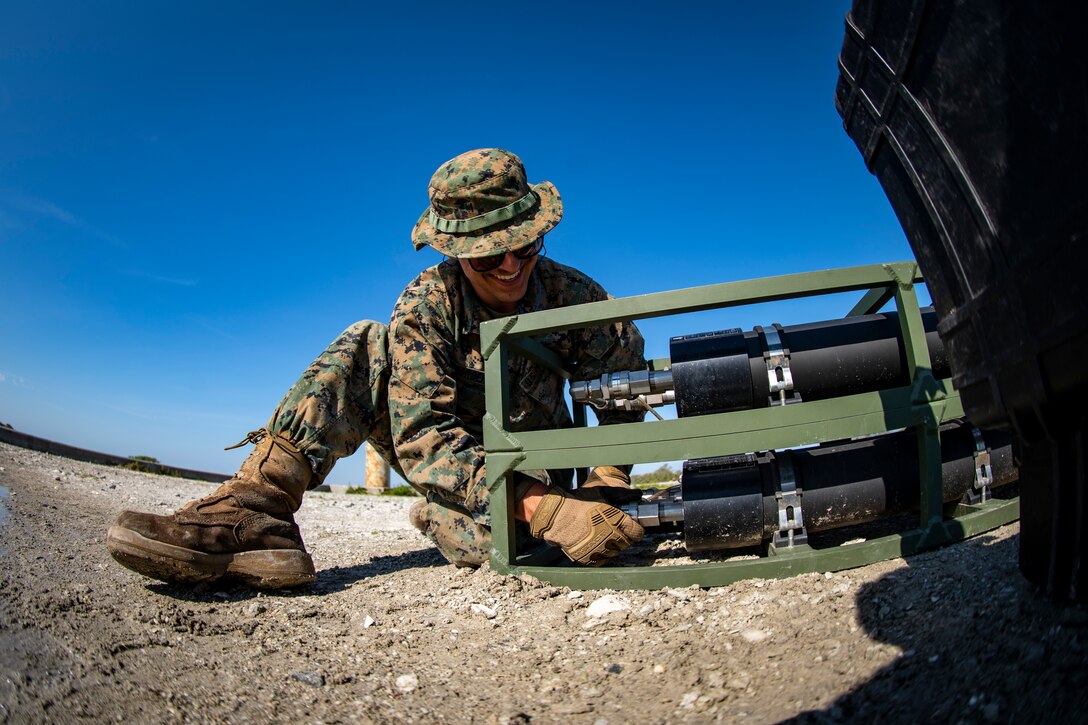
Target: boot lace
x,y
254,437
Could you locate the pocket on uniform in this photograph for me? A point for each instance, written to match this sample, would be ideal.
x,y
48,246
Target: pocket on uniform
x,y
471,403
541,401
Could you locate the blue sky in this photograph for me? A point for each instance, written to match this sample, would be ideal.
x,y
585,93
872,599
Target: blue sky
x,y
195,198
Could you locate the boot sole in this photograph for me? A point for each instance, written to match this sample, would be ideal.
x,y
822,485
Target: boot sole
x,y
261,569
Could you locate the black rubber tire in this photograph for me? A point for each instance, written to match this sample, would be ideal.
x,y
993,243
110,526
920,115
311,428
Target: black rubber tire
x,y
1053,515
972,116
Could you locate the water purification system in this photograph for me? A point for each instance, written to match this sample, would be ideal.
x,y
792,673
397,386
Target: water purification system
x,y
785,432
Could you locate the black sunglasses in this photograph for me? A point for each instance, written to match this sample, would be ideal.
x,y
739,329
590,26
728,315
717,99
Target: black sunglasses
x,y
486,264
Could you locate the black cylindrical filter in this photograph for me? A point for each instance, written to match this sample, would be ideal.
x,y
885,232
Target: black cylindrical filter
x,y
838,485
719,372
723,501
714,371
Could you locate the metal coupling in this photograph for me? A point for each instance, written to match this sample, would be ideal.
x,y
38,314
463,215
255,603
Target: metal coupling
x,y
655,513
653,387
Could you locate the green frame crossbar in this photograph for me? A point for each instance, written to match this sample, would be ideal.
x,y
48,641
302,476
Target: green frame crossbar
x,y
923,405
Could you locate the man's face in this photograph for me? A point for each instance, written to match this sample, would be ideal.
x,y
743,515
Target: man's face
x,y
503,287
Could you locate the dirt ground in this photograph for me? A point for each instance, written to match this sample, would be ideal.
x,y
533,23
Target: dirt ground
x,y
391,633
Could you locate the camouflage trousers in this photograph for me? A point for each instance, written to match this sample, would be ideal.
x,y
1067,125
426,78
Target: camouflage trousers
x,y
339,403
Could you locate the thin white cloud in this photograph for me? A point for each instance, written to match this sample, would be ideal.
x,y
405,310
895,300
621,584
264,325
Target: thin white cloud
x,y
18,202
212,328
159,278
9,379
41,207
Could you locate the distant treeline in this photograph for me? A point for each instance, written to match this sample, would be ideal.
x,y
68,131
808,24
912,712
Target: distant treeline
x,y
664,474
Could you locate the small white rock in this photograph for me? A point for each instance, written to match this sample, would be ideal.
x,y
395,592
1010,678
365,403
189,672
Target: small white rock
x,y
688,700
607,604
754,636
575,595
406,683
368,621
484,610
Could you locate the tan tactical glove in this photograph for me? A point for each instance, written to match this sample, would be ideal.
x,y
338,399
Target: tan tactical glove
x,y
588,531
611,485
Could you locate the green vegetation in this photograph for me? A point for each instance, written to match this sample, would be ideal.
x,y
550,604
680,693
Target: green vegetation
x,y
401,491
395,491
140,463
663,475
9,426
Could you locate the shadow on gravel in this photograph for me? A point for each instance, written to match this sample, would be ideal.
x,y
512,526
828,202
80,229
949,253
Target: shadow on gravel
x,y
979,644
339,578
329,581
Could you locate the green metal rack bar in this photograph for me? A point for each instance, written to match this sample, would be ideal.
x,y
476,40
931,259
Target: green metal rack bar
x,y
922,405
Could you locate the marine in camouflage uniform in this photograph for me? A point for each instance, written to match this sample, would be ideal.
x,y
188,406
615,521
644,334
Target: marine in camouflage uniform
x,y
415,392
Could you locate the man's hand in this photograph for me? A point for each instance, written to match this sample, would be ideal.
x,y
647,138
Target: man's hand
x,y
610,485
588,530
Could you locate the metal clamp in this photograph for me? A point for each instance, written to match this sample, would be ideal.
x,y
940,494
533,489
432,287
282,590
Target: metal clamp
x,y
791,522
779,377
984,472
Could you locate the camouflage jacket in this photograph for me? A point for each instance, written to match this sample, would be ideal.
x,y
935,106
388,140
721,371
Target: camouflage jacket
x,y
436,388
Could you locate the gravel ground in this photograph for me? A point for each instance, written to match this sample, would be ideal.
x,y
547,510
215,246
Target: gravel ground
x,y
391,633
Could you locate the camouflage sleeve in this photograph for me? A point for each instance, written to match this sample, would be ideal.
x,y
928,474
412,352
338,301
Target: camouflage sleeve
x,y
432,444
609,348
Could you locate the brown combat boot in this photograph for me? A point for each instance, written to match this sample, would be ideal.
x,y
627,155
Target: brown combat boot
x,y
244,530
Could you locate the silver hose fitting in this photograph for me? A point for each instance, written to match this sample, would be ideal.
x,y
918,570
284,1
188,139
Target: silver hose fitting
x,y
625,390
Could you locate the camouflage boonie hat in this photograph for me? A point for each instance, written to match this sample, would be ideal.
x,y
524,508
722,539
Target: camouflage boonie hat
x,y
481,205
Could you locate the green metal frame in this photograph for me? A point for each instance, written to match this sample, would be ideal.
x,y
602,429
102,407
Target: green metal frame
x,y
923,405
